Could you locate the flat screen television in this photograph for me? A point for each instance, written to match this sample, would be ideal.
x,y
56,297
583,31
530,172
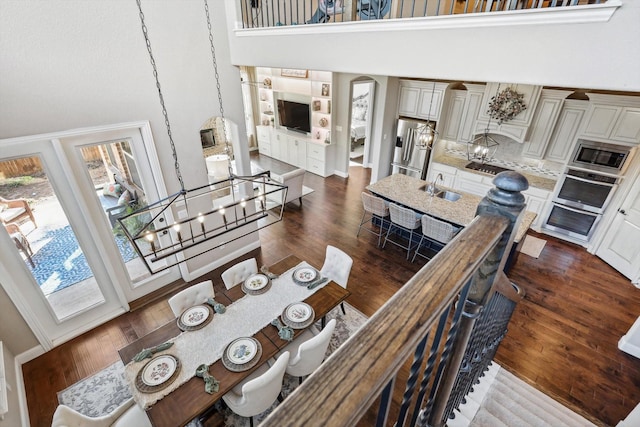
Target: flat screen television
x,y
294,115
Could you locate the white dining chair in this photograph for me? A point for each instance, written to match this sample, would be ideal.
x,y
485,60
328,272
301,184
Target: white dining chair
x,y
337,267
434,230
259,390
193,295
308,350
239,273
128,414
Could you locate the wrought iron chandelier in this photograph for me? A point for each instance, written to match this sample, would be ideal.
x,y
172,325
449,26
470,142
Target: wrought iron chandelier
x,y
427,134
173,230
483,147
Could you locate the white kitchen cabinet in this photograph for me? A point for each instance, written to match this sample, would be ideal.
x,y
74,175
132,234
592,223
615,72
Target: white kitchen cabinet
x,y
297,152
473,183
536,200
613,118
317,159
473,102
453,114
448,174
421,99
531,96
544,119
566,129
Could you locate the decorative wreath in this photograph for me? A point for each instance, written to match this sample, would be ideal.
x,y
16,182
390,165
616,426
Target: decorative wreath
x,y
506,105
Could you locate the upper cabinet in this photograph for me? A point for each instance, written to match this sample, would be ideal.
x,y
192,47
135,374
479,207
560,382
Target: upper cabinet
x,y
420,99
566,129
544,119
516,128
461,110
613,118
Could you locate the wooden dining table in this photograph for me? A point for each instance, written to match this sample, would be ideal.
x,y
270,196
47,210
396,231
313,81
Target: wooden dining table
x,y
190,400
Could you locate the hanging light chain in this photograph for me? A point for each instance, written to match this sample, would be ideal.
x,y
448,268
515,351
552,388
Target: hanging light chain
x,y
217,76
164,109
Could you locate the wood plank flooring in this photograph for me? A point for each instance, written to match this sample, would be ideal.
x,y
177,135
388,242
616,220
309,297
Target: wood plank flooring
x,y
562,339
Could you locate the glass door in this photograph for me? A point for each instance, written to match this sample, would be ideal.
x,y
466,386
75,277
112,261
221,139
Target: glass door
x,y
62,260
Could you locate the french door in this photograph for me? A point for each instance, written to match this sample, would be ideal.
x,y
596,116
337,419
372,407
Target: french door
x,y
74,270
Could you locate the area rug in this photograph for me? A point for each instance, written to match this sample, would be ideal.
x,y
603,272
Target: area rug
x,y
102,392
532,246
59,261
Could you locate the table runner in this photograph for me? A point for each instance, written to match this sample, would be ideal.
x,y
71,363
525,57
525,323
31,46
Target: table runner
x,y
243,318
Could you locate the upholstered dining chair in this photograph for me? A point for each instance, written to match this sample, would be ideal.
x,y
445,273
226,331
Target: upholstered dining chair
x,y
308,350
259,390
193,295
239,273
128,414
337,267
374,209
435,230
402,219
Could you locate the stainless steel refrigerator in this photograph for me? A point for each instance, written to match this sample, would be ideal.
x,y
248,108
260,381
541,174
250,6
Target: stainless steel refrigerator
x,y
409,157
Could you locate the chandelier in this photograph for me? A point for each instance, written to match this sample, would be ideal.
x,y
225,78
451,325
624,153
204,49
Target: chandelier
x,y
483,147
173,230
427,134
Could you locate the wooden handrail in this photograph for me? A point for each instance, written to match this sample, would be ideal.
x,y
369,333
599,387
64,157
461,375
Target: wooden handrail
x,y
349,381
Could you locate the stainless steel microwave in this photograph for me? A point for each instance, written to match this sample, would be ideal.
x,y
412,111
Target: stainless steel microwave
x,y
599,156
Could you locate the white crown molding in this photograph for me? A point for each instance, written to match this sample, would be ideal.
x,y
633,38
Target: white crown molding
x,y
556,15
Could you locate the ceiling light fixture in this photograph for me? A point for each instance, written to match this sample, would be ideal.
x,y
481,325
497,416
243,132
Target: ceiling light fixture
x,y
173,230
427,134
483,147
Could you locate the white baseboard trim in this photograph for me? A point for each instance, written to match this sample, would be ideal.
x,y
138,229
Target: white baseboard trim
x,y
341,174
20,360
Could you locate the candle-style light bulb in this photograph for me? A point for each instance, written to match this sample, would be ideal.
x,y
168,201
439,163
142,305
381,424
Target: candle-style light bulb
x,y
224,217
243,204
176,228
151,237
201,221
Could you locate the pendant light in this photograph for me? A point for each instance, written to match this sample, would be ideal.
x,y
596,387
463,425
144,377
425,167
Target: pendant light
x,y
427,134
483,147
175,229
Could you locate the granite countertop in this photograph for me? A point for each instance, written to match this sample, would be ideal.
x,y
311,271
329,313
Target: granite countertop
x,y
543,183
410,192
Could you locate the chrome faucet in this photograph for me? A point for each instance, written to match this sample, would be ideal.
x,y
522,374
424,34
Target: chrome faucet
x,y
440,177
431,188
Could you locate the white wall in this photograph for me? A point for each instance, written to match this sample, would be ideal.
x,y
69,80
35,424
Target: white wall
x,y
597,55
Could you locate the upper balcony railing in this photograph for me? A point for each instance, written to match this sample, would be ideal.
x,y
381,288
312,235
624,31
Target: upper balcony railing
x,y
275,13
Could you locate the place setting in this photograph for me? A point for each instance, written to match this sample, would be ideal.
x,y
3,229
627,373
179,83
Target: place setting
x,y
242,354
158,373
257,284
298,315
309,277
194,318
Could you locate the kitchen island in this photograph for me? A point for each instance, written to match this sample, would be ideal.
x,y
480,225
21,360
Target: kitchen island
x,y
411,192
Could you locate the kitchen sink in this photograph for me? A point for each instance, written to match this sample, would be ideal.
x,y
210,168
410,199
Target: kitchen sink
x,y
448,195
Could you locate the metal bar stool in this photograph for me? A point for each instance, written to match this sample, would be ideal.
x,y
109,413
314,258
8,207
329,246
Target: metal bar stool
x,y
374,208
402,219
435,230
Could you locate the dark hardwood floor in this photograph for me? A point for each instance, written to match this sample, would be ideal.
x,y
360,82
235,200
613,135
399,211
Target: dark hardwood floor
x,y
562,338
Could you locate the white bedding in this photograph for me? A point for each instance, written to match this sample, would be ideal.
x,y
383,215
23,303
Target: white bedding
x,y
358,129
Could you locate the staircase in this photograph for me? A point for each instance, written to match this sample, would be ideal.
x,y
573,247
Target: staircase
x,y
503,400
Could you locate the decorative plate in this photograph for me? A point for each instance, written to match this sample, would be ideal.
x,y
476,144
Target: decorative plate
x,y
298,315
304,275
324,122
158,373
256,284
242,354
267,82
194,318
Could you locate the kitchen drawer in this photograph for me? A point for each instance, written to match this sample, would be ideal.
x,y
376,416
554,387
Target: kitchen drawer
x,y
316,152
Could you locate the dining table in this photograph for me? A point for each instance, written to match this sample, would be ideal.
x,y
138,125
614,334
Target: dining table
x,y
189,400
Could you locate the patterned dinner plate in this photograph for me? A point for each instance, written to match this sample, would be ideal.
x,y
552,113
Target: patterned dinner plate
x,y
242,351
194,318
159,370
298,315
256,284
304,275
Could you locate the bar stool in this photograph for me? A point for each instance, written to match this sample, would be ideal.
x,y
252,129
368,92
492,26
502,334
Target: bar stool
x,y
402,219
435,230
374,208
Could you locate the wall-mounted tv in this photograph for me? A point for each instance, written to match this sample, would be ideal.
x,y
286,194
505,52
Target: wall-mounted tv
x,y
294,115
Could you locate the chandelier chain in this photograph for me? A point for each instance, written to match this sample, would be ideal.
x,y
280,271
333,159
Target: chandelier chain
x,y
164,109
217,76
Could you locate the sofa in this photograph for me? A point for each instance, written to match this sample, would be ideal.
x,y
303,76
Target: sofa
x,y
293,180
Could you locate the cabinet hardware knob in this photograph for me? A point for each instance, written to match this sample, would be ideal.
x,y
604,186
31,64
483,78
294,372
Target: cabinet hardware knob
x,y
622,211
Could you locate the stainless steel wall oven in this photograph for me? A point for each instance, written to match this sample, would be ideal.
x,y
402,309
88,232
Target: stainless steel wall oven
x,y
585,190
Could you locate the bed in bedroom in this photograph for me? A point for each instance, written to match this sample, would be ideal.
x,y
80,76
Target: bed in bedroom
x,y
359,120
